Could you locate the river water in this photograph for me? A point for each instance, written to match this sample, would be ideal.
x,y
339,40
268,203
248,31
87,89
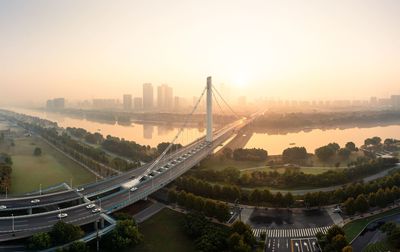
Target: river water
x,y
274,142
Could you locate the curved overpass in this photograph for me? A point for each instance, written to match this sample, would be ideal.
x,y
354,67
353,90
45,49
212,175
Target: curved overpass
x,y
15,227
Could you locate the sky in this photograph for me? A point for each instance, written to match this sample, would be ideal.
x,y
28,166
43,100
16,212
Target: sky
x,y
300,49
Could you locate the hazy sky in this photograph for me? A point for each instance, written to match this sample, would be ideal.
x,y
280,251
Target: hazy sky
x,y
289,49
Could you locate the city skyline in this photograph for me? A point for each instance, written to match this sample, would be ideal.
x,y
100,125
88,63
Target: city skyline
x,y
53,48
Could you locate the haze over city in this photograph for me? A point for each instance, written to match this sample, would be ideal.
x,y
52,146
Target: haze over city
x,y
200,125
90,49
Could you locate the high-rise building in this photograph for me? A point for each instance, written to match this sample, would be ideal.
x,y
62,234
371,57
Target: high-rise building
x,y
395,100
148,96
127,101
164,97
57,103
138,103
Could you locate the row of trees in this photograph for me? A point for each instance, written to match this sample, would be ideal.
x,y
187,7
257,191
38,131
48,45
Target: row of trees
x,y
208,207
94,158
211,237
5,172
378,191
381,198
232,193
293,177
253,154
128,149
295,155
326,152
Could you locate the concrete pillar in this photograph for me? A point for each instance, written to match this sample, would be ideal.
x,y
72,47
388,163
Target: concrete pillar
x,y
209,136
29,211
101,223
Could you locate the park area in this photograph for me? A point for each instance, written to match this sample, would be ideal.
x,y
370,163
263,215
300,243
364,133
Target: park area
x,y
164,232
47,169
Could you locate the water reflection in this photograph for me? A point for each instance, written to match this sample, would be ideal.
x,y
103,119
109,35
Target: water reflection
x,y
146,134
278,140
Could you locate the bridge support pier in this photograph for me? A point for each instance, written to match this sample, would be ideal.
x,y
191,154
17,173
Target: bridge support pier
x,y
30,211
102,223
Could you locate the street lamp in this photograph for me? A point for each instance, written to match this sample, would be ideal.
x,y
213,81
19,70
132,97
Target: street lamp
x,y
12,216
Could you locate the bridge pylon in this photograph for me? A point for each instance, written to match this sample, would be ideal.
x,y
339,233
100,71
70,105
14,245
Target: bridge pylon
x,y
209,117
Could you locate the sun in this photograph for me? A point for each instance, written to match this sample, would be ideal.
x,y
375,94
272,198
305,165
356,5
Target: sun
x,y
240,80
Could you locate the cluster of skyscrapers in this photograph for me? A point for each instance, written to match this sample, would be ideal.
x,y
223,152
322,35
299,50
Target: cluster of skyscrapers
x,y
165,99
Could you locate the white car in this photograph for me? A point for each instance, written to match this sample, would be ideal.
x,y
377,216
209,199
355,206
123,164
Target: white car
x,y
62,215
337,210
133,189
90,206
96,210
35,201
80,189
2,207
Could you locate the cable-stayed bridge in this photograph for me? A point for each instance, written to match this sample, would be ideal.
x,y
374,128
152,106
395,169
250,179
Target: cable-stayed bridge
x,y
20,220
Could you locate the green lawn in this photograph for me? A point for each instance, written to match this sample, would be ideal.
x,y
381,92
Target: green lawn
x,y
51,168
353,228
306,170
379,247
164,232
215,163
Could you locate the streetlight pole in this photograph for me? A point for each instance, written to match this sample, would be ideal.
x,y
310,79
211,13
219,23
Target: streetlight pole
x,y
60,212
6,192
99,199
13,229
40,189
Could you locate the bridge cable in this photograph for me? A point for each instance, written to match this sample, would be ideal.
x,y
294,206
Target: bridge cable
x,y
222,98
177,135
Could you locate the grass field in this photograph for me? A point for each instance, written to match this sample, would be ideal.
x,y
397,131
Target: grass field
x,y
354,228
379,247
163,232
306,170
52,167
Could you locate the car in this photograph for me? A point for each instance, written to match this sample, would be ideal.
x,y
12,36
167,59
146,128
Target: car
x,y
90,206
35,201
337,210
96,210
133,189
80,189
143,178
2,207
62,215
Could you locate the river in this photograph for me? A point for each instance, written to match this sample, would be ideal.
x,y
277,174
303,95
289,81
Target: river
x,y
274,143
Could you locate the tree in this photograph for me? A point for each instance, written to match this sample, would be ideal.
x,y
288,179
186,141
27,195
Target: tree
x,y
227,152
349,206
339,242
351,146
63,233
361,204
288,199
124,235
78,246
344,153
347,249
294,155
40,241
324,153
37,151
